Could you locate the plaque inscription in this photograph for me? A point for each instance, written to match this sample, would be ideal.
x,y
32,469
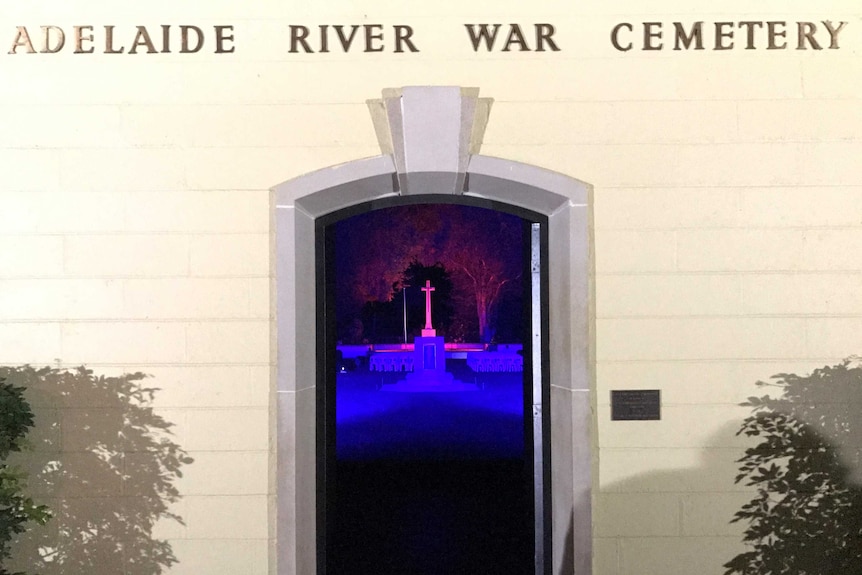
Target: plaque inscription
x,y
635,405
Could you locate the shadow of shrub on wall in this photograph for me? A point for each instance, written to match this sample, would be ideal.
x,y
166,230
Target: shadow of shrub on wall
x,y
106,465
806,516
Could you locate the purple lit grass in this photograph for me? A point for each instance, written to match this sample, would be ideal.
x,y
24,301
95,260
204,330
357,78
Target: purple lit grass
x,y
374,425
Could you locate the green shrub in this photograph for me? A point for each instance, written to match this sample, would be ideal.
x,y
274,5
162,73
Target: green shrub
x,y
16,509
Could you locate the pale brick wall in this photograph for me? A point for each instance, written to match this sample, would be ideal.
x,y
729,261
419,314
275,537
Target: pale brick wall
x,y
728,206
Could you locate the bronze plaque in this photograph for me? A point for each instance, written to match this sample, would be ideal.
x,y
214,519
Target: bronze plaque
x,y
635,405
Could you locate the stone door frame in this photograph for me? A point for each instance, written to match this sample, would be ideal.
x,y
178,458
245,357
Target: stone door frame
x,y
430,138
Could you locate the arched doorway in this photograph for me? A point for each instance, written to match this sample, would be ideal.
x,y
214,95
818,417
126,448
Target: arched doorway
x,y
434,435
442,165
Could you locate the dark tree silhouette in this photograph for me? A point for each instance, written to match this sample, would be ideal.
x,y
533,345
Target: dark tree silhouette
x,y
806,518
17,510
383,321
375,248
442,309
480,248
108,465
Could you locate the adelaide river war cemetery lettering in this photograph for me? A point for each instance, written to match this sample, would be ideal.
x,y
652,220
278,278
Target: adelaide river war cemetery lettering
x,y
402,38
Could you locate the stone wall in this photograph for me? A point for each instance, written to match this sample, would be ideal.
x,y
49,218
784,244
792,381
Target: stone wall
x,y
727,195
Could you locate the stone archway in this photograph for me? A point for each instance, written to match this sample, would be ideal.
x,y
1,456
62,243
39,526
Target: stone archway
x,y
430,138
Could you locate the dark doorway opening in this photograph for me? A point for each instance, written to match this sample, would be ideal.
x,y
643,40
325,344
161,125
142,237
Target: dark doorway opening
x,y
426,471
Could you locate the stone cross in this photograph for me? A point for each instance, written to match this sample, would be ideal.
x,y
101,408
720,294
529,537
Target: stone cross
x,y
428,289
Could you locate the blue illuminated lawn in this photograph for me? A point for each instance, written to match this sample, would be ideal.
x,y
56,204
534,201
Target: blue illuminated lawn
x,y
374,425
431,483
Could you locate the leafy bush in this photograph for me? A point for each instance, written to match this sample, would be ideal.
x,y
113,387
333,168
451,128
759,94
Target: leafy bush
x,y
16,509
806,517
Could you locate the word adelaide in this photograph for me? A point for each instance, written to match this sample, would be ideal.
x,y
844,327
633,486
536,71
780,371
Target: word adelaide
x,y
165,39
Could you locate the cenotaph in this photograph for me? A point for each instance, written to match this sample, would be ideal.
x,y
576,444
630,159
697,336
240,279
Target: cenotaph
x,y
429,359
429,351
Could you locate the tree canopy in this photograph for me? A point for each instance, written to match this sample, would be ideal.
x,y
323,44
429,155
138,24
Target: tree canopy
x,y
480,249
